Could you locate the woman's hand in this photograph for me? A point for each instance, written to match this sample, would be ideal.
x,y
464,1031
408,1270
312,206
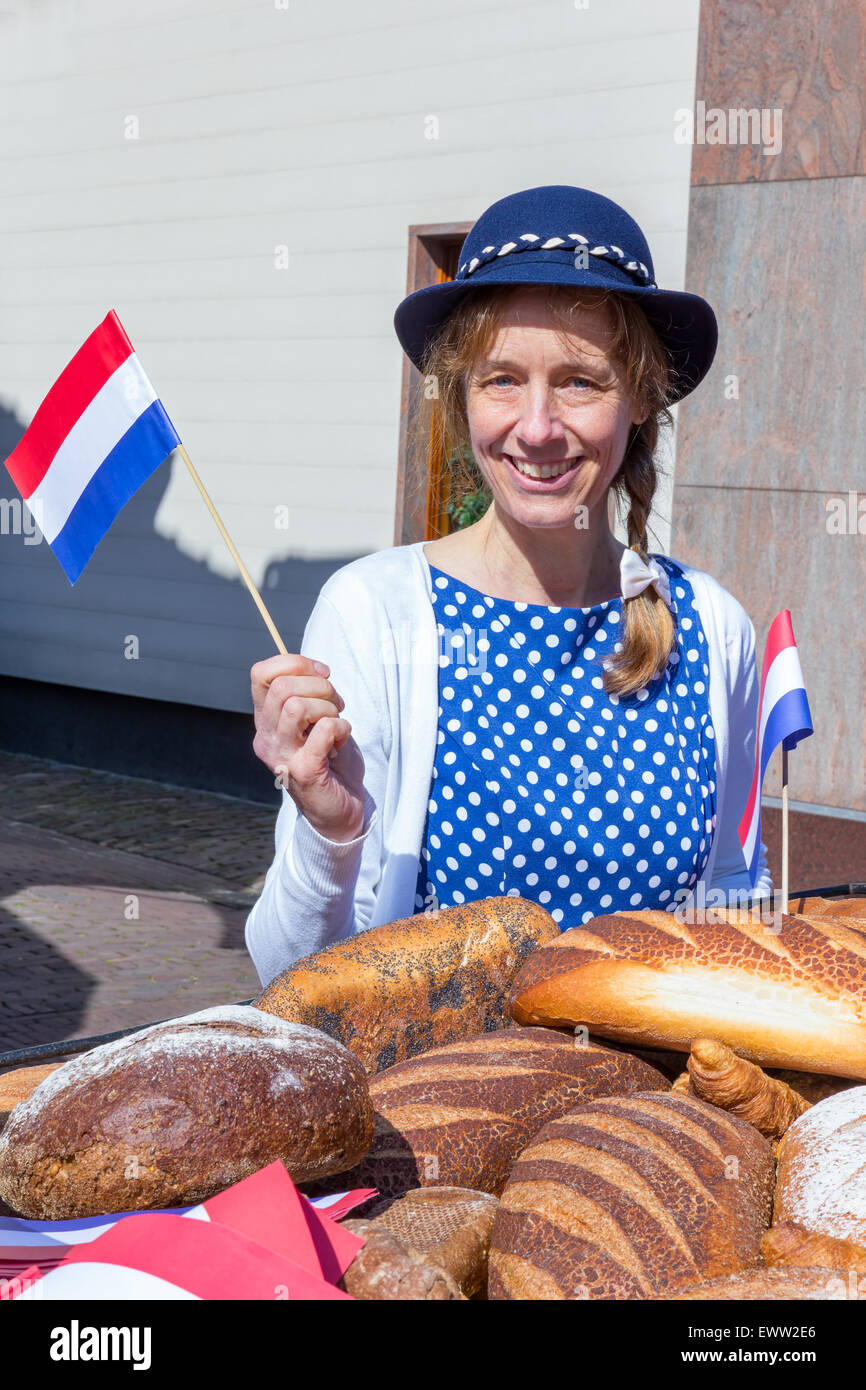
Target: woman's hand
x,y
301,737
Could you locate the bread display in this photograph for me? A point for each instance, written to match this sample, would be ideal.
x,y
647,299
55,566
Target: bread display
x,y
790,998
822,1168
628,1197
431,1244
175,1113
768,1284
17,1085
395,991
791,1244
717,1075
459,1115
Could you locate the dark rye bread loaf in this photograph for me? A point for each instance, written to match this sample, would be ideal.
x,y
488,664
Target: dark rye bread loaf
x,y
460,1115
173,1114
793,998
395,991
629,1196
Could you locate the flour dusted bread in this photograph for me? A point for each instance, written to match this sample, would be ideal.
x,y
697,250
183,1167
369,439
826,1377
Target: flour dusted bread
x,y
459,1115
822,1168
169,1116
627,1197
397,990
793,998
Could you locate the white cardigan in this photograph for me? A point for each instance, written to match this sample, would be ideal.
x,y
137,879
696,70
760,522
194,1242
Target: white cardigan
x,y
375,626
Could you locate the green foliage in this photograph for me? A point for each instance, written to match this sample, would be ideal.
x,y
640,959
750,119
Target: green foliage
x,y
469,505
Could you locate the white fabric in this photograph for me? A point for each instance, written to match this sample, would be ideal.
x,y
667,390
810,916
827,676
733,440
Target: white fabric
x,y
374,624
126,395
636,576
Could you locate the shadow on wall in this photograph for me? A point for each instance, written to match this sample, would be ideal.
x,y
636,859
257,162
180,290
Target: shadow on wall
x,y
198,633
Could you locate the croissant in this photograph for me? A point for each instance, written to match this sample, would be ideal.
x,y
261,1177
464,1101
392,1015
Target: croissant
x,y
791,1244
716,1074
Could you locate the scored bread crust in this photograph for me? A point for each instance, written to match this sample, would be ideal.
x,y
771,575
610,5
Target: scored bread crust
x,y
394,991
792,998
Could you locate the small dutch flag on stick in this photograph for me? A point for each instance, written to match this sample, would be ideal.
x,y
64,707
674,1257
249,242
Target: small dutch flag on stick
x,y
98,435
783,717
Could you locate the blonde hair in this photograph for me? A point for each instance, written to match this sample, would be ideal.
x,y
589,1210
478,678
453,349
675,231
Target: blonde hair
x,y
647,630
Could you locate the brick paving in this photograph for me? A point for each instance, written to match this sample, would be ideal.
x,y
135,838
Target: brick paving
x,y
123,901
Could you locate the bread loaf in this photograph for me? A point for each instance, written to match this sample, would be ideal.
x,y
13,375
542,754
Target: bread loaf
x,y
384,1269
775,1283
17,1085
793,998
791,1244
628,1197
177,1112
448,1227
459,1115
397,990
822,1168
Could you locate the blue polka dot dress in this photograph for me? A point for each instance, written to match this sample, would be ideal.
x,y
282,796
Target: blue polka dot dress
x,y
546,787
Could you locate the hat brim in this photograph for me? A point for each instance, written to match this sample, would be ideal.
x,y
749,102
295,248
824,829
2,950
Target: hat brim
x,y
684,322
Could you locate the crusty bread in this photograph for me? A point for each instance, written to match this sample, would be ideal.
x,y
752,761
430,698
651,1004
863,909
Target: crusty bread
x,y
385,1269
778,1282
630,1196
822,1168
17,1085
179,1111
397,990
447,1226
459,1115
791,1244
793,998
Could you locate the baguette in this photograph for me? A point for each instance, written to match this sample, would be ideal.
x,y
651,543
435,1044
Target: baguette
x,y
395,991
628,1197
791,999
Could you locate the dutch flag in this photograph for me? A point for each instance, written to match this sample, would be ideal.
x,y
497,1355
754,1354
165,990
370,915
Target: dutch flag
x,y
783,717
98,435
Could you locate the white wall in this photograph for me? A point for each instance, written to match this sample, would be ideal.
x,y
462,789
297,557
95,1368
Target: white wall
x,y
260,127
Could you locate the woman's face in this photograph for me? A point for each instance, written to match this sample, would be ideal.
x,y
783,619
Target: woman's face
x,y
541,402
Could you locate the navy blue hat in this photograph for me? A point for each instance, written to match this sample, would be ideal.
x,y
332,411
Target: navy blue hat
x,y
559,235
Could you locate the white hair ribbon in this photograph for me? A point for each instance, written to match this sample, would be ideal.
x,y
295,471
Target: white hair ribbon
x,y
636,576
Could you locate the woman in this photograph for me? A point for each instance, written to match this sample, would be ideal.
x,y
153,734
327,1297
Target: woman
x,y
531,707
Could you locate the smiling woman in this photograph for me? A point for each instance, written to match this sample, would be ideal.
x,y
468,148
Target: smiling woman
x,y
536,709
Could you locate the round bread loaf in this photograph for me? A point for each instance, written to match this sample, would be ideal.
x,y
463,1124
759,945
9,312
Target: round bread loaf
x,y
459,1115
395,991
628,1196
779,1282
173,1114
448,1227
822,1168
385,1269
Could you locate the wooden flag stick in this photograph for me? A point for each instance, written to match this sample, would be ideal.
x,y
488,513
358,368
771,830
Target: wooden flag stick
x,y
244,572
784,828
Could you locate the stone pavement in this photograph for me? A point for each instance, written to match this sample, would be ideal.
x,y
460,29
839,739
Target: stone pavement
x,y
122,901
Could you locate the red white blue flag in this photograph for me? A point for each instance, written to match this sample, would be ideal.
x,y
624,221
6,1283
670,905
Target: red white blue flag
x,y
783,717
98,435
